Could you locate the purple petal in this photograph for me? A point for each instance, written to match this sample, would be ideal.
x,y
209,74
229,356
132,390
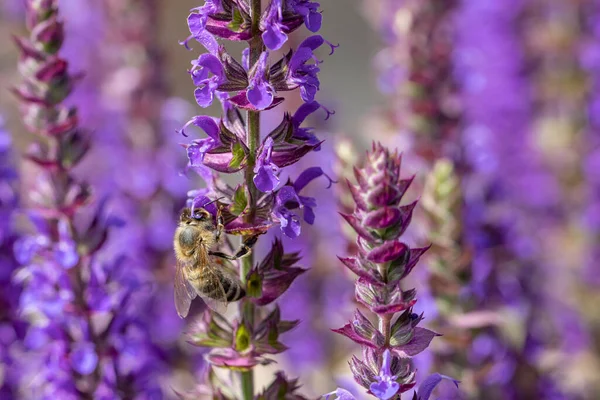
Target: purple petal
x,y
196,23
385,389
246,58
208,124
66,254
211,63
241,101
208,41
84,358
301,56
313,22
288,221
204,96
341,394
309,175
427,386
274,37
221,162
265,179
303,112
309,215
260,96
286,196
386,364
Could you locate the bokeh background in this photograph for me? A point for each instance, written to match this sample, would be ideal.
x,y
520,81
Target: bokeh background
x,y
495,106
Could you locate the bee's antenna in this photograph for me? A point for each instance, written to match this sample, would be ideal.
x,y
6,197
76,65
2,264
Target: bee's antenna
x,y
215,200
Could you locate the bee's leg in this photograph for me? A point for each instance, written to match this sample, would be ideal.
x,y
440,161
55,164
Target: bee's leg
x,y
220,225
245,250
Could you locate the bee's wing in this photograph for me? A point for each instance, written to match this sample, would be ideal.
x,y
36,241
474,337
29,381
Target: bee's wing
x,y
184,292
217,300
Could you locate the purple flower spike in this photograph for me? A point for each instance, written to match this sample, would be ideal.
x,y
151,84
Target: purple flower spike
x,y
266,179
386,386
235,143
260,92
382,261
205,65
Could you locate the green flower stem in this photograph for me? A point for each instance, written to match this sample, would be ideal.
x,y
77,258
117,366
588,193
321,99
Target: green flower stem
x,y
252,139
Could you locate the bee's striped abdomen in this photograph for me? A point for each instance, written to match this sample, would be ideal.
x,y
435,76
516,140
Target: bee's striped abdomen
x,y
232,288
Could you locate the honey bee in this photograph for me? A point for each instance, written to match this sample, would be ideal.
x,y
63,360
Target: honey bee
x,y
197,272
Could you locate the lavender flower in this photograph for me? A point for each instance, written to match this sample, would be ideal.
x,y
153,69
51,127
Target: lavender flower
x,y
382,262
235,143
84,338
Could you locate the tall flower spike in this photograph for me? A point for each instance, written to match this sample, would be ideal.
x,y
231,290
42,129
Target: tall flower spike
x,y
249,209
382,262
84,337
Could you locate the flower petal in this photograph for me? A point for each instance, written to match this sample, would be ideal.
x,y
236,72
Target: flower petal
x,y
427,386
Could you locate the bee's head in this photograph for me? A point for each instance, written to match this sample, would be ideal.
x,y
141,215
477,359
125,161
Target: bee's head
x,y
198,216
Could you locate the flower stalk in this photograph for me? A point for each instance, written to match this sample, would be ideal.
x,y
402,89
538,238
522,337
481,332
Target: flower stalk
x,y
250,87
382,262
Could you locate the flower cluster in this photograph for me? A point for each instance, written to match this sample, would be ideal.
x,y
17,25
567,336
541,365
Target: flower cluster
x,y
253,83
382,263
11,328
84,338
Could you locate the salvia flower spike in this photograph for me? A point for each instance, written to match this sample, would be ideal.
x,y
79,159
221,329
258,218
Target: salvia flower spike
x,y
380,217
84,339
251,83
